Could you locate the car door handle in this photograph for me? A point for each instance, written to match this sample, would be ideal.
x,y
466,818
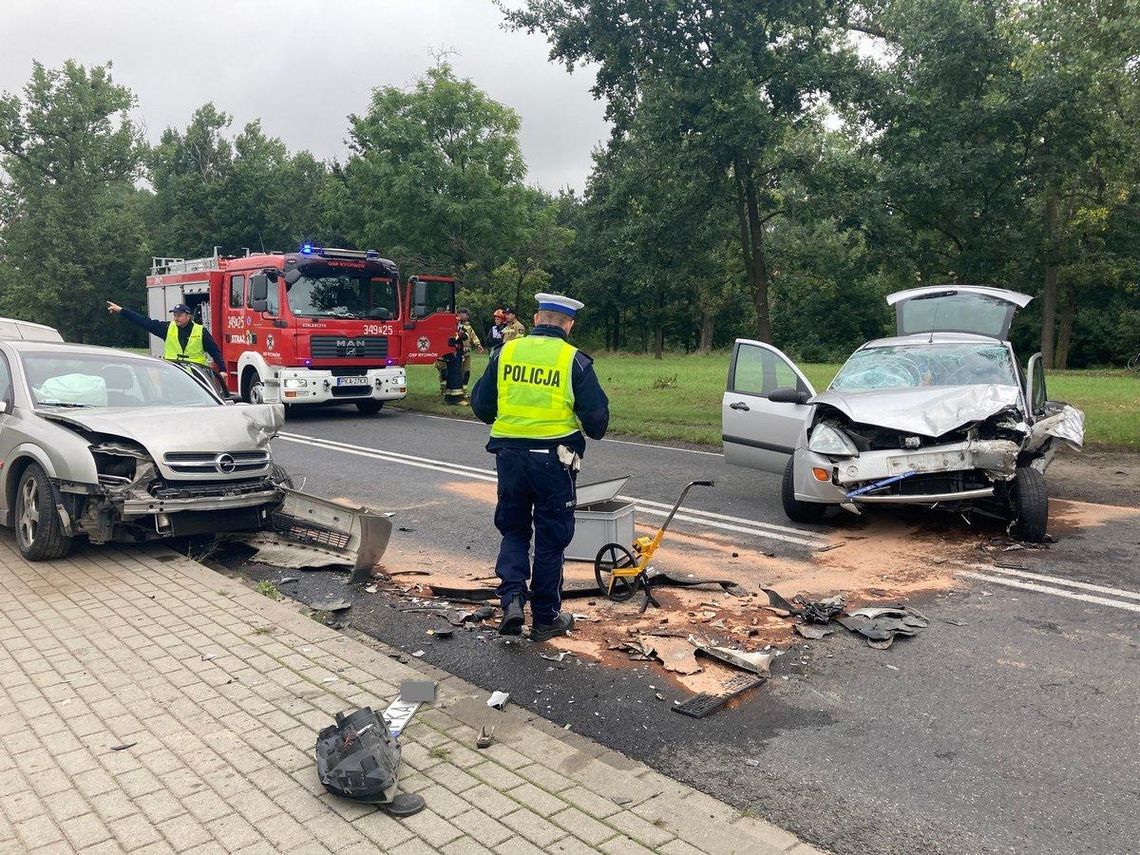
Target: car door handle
x,y
740,405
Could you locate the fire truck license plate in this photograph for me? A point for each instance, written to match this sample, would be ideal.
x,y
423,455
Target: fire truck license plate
x,y
352,381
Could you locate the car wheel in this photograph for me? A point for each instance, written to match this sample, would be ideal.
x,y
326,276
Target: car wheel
x,y
370,407
1030,505
797,511
39,530
256,392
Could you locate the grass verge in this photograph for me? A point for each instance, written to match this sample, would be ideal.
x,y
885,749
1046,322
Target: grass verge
x,y
678,398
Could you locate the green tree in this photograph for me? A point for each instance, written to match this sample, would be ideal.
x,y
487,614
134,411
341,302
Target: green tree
x,y
435,177
71,219
719,86
247,192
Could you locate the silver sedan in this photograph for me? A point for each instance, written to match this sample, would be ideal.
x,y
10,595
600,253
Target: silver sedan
x,y
113,446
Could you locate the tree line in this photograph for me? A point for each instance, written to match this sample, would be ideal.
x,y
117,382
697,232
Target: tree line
x,y
774,170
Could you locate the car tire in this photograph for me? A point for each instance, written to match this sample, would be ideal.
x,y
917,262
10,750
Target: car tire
x,y
795,510
1030,505
370,407
39,530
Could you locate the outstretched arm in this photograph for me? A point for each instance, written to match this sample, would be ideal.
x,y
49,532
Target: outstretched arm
x,y
153,327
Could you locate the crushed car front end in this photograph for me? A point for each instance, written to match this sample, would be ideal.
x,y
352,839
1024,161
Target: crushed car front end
x,y
934,421
164,479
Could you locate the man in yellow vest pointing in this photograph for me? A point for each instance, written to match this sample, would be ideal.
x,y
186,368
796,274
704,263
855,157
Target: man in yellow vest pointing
x,y
184,340
540,394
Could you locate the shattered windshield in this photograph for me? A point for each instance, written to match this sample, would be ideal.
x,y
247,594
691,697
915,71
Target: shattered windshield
x,y
914,366
72,381
341,295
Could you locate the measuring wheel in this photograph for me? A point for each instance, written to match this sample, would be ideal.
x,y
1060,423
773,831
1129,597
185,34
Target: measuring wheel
x,y
614,556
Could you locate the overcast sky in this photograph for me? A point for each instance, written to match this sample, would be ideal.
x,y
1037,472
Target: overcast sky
x,y
302,66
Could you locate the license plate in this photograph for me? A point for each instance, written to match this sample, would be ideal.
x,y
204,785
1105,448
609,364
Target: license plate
x,y
352,381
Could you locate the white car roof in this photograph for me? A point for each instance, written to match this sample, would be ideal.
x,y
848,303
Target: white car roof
x,y
12,329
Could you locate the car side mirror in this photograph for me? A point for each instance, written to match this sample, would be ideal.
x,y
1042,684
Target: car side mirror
x,y
789,395
259,305
291,276
258,289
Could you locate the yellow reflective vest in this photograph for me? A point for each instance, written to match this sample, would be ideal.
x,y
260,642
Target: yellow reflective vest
x,y
194,351
535,389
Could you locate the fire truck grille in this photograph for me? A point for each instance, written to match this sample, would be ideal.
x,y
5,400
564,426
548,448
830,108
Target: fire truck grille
x,y
308,532
348,347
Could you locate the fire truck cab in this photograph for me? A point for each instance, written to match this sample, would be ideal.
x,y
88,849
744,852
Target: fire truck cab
x,y
315,326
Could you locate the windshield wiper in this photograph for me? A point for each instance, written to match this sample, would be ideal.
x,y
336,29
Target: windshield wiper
x,y
70,404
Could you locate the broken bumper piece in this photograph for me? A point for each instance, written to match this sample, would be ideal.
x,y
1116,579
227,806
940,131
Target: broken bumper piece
x,y
307,531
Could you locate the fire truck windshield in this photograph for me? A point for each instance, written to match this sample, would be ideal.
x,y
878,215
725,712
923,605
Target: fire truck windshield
x,y
342,295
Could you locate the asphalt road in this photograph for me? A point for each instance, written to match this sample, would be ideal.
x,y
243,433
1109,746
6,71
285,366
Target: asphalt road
x,y
1011,725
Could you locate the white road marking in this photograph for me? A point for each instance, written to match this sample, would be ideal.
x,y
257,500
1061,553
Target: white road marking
x,y
1056,580
704,518
1046,589
617,441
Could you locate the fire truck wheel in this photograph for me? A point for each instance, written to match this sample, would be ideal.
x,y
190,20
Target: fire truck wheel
x,y
255,394
370,408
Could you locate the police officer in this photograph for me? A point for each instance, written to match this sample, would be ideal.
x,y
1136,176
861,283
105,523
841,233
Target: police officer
x,y
514,328
539,394
185,340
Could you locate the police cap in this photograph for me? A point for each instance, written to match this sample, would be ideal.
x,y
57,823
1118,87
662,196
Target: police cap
x,y
557,303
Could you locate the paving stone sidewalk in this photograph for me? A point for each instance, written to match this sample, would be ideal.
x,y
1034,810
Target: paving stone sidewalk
x,y
219,692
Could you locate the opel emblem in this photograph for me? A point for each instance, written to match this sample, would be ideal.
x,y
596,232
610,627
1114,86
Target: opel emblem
x,y
225,463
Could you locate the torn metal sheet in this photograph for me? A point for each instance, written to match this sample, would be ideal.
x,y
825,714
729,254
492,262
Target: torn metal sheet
x,y
1068,425
756,662
309,531
928,410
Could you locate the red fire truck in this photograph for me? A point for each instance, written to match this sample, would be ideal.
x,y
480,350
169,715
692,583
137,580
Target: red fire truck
x,y
312,326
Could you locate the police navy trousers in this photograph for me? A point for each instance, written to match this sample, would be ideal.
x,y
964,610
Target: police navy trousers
x,y
535,489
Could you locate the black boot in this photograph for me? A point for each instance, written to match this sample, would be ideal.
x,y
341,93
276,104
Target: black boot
x,y
562,624
513,618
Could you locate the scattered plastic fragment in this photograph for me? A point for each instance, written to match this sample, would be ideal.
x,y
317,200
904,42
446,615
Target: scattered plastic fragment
x,y
498,700
418,654
124,746
485,737
755,662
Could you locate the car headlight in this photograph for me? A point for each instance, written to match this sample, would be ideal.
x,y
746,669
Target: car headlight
x,y
828,440
295,382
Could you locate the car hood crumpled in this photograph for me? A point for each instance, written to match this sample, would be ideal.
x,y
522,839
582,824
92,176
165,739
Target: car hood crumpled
x,y
161,430
927,411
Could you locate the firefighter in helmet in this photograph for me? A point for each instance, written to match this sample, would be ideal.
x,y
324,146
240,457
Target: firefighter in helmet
x,y
465,339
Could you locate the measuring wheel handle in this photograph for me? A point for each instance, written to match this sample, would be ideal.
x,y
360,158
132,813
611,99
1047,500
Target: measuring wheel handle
x,y
611,557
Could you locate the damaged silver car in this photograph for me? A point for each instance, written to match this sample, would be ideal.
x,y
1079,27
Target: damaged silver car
x,y
941,416
117,447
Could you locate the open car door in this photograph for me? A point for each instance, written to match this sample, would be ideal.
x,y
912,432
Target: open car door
x,y
764,407
956,308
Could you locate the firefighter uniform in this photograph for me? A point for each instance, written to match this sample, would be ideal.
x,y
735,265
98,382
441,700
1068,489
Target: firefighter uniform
x,y
540,394
513,330
470,340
